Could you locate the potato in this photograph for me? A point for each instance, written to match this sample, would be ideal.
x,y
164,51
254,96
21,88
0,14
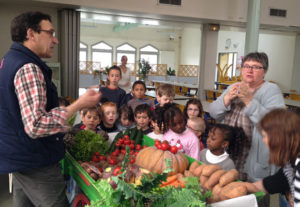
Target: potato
x,y
188,173
228,177
233,190
208,170
203,179
198,170
193,166
214,179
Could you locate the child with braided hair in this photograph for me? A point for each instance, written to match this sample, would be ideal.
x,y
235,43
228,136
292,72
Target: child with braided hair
x,y
224,146
178,134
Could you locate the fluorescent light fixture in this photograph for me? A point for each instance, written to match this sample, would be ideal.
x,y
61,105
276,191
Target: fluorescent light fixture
x,y
102,17
150,22
83,15
126,19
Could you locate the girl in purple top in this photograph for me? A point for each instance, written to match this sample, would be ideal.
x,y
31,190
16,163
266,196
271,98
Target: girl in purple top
x,y
177,134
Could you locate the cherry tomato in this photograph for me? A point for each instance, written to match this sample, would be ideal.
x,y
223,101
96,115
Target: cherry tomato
x,y
145,146
174,149
131,152
100,169
102,157
117,171
126,137
123,151
131,146
126,142
115,153
97,153
131,141
121,140
166,141
112,160
158,146
136,153
138,147
157,142
132,160
95,158
118,144
164,146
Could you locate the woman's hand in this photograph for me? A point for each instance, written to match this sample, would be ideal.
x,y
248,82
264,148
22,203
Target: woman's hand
x,y
231,94
245,93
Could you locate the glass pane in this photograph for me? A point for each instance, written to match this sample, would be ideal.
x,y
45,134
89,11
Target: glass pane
x,y
152,59
82,60
148,49
126,47
83,46
103,57
82,56
130,57
102,46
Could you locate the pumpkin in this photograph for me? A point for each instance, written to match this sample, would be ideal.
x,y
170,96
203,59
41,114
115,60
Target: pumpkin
x,y
153,159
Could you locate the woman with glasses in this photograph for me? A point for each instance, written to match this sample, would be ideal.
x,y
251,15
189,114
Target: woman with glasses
x,y
242,105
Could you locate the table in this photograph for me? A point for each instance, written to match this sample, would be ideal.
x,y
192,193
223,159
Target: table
x,y
152,94
290,102
192,86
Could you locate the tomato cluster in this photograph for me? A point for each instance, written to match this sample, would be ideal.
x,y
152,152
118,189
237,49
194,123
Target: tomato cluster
x,y
165,146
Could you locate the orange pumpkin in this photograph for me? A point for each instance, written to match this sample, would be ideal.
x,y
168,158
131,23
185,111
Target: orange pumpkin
x,y
153,159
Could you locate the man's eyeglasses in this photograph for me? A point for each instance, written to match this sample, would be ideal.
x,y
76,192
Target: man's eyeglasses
x,y
253,67
50,32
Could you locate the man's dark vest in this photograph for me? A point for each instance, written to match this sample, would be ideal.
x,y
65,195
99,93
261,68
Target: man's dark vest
x,y
18,151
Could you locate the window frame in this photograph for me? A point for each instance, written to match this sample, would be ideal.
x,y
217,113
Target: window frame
x,y
103,51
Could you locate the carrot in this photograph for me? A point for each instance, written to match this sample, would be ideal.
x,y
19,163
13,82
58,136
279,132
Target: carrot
x,y
170,179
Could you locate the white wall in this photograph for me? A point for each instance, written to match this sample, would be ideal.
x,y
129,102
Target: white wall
x,y
280,49
9,11
278,46
190,46
296,68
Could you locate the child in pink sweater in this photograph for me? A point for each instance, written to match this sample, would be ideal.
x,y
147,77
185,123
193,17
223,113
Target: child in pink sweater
x,y
177,134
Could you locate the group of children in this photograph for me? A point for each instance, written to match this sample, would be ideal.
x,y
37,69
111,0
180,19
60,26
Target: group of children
x,y
164,121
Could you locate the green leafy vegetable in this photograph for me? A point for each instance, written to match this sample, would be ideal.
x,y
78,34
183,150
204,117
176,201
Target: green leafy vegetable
x,y
86,144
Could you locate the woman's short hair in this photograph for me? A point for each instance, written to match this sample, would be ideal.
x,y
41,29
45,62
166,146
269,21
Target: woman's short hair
x,y
260,57
283,131
23,22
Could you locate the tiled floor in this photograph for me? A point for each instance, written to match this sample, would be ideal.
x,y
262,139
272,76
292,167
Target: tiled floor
x,y
6,198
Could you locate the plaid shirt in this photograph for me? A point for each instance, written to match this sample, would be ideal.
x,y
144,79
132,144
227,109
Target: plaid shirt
x,y
236,118
30,88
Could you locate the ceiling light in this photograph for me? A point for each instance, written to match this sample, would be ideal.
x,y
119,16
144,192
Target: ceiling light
x,y
102,17
150,22
126,19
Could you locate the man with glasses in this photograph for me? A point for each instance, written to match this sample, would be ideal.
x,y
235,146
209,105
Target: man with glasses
x,y
31,123
243,105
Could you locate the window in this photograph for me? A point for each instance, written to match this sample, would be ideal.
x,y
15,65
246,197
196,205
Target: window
x,y
83,56
228,65
102,54
150,54
130,52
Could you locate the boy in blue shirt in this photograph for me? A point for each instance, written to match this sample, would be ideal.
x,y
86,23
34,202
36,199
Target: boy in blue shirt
x,y
112,92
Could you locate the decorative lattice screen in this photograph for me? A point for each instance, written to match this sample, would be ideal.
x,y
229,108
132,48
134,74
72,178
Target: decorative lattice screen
x,y
188,70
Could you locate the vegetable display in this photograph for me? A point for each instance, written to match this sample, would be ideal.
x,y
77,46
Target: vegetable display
x,y
86,143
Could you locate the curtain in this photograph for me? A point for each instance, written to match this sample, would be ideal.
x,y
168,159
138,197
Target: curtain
x,y
69,51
